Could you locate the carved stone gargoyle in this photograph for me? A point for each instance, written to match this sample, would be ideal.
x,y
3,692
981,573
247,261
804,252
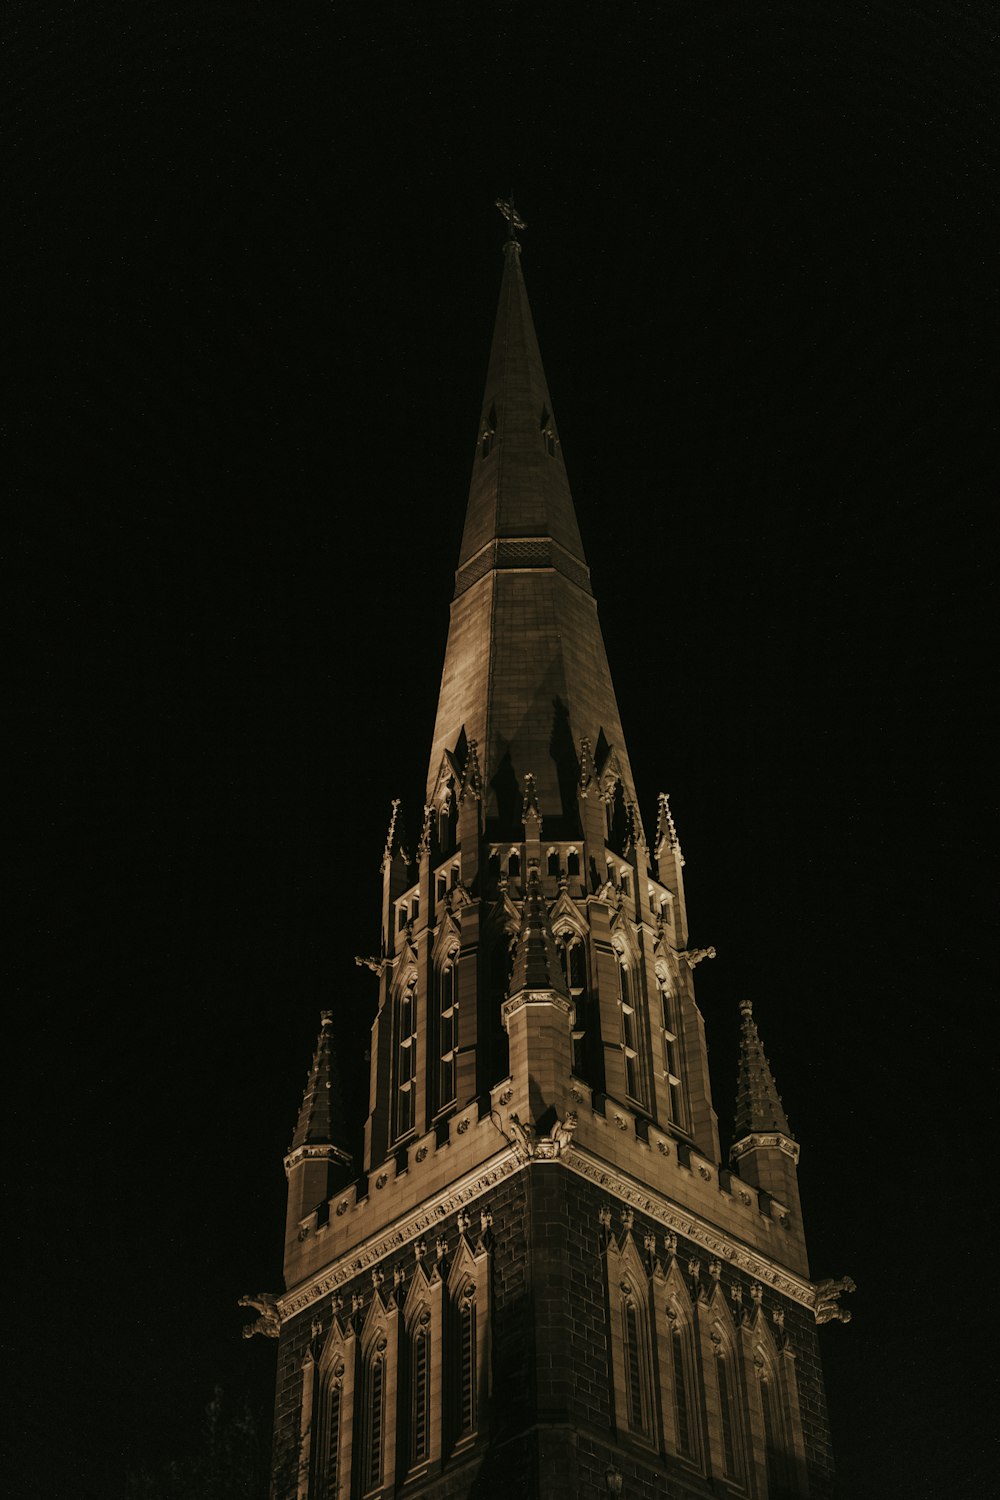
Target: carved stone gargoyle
x,y
546,1147
268,1323
828,1293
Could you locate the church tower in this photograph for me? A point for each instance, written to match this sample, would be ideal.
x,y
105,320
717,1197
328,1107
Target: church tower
x,y
541,1280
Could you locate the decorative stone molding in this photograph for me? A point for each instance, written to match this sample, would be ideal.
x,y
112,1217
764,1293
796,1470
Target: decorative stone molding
x,y
511,1007
317,1153
404,1231
655,1206
772,1140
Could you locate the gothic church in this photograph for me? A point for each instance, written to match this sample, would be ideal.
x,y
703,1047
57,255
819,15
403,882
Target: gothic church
x,y
541,1281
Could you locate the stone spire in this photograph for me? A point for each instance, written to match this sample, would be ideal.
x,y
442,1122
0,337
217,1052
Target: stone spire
x,y
317,1163
536,960
758,1106
526,673
321,1117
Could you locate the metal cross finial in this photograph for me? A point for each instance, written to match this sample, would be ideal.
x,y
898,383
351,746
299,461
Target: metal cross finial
x,y
506,207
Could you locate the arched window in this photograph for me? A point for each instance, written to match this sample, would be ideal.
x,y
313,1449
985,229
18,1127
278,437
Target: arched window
x,y
631,1040
636,1365
682,1394
552,865
374,1411
331,1424
419,1372
728,1417
447,1030
514,865
573,862
573,956
406,1058
676,1101
467,1352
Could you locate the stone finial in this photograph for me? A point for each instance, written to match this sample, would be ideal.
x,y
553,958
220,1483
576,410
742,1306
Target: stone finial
x,y
666,832
472,776
425,830
588,771
529,804
395,837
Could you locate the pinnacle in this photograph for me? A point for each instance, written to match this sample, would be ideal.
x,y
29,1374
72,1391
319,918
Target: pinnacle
x,y
321,1119
758,1104
536,960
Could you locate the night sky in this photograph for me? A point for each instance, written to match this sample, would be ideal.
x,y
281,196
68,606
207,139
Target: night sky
x,y
252,270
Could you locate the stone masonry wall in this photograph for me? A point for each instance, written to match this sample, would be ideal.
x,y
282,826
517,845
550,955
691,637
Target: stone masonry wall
x,y
547,1427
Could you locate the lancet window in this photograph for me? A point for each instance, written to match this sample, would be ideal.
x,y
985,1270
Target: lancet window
x,y
372,1452
631,1351
447,1029
405,1057
676,1101
419,1383
631,1041
467,1348
728,1432
327,1406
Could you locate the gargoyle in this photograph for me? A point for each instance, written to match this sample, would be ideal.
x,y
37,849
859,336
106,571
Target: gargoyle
x,y
693,956
827,1296
546,1147
269,1323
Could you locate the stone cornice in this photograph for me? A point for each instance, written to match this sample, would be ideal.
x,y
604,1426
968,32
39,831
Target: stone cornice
x,y
772,1140
316,1153
410,1227
682,1221
536,997
505,1164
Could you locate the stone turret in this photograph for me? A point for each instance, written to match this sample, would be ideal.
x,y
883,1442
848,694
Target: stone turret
x,y
318,1161
764,1151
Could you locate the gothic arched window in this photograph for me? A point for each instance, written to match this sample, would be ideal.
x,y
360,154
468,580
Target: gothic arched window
x,y
467,1352
374,1413
573,862
331,1431
406,1058
447,1030
631,1037
671,1049
419,1377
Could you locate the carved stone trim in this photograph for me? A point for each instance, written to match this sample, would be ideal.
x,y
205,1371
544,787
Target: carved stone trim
x,y
536,997
316,1153
681,1222
772,1140
430,1213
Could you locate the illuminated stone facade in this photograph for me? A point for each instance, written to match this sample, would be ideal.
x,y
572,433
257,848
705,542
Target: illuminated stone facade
x,y
543,1282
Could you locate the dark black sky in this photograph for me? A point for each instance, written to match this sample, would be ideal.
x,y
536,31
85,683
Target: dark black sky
x,y
252,271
